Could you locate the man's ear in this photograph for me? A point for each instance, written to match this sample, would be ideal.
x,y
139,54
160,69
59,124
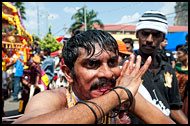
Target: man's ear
x,y
137,34
67,73
163,38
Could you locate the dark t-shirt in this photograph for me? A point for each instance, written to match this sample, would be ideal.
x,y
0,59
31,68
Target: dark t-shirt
x,y
161,89
166,55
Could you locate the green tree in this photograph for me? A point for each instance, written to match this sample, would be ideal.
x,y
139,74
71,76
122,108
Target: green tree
x,y
90,19
36,38
20,6
49,29
50,42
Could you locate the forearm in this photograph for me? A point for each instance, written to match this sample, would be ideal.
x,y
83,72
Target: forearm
x,y
37,80
173,64
179,116
142,107
24,82
10,64
79,114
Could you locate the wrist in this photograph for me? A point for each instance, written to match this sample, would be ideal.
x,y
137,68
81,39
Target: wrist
x,y
123,95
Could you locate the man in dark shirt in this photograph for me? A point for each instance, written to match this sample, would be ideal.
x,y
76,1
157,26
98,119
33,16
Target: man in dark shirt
x,y
166,55
160,85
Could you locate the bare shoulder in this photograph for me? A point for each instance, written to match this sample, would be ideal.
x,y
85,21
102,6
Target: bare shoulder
x,y
45,102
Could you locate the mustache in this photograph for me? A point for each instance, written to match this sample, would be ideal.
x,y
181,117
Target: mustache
x,y
143,45
101,82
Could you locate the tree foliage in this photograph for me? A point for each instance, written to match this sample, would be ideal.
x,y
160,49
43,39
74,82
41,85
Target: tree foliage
x,y
48,41
90,19
20,6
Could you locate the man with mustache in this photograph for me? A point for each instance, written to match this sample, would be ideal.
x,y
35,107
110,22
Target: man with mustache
x,y
160,85
91,67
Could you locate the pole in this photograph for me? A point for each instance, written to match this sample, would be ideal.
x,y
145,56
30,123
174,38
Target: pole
x,y
85,17
64,29
47,22
38,21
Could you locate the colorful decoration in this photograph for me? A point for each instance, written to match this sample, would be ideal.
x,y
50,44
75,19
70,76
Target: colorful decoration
x,y
14,19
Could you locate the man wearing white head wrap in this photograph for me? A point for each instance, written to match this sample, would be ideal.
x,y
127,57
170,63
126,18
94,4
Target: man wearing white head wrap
x,y
153,20
159,82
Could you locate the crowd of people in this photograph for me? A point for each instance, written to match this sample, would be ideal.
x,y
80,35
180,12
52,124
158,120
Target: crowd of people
x,y
98,79
37,76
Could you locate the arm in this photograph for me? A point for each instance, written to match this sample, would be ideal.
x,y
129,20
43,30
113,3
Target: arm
x,y
37,80
155,116
10,64
50,111
173,64
179,116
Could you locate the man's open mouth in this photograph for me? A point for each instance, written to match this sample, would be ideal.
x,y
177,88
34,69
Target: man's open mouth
x,y
105,87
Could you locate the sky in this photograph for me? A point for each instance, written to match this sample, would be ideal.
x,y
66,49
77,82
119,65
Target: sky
x,y
58,14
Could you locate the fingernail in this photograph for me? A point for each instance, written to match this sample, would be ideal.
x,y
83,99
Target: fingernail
x,y
138,56
149,58
132,55
126,60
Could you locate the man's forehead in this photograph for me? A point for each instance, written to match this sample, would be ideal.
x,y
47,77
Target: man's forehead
x,y
151,30
97,54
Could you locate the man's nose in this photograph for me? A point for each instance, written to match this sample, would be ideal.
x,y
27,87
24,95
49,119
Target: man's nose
x,y
150,38
105,71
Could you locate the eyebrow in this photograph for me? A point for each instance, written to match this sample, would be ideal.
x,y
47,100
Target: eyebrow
x,y
97,59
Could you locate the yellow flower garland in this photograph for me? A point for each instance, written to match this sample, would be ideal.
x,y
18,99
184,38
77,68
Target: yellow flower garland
x,y
16,21
71,101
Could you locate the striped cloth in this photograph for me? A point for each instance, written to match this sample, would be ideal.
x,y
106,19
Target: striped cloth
x,y
154,20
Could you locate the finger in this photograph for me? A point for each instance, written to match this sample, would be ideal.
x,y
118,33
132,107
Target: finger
x,y
125,65
131,62
137,65
144,67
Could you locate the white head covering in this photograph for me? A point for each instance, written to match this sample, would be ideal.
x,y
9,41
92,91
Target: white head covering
x,y
154,20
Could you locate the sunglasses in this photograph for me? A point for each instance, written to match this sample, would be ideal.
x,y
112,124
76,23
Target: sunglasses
x,y
156,35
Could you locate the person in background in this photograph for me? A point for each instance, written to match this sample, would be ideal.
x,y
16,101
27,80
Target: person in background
x,y
182,75
187,39
160,86
35,48
58,61
123,52
17,76
5,81
60,81
31,82
129,44
166,55
26,84
42,58
48,64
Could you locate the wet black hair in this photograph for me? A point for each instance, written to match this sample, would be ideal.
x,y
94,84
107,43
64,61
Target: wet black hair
x,y
87,41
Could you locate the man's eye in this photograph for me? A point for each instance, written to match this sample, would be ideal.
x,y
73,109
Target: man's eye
x,y
92,64
112,63
145,33
157,35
